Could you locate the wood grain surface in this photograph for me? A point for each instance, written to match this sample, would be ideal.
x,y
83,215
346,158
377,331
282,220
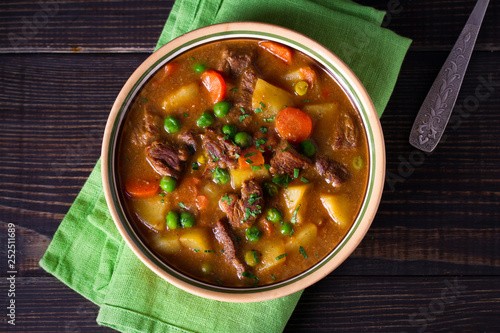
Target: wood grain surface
x,y
431,260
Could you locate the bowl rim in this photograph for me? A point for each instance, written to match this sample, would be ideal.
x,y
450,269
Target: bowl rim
x,y
346,79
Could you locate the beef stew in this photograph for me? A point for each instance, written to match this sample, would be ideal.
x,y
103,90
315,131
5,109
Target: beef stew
x,y
242,163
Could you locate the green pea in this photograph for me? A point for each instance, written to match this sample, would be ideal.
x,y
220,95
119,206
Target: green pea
x,y
206,119
172,124
187,219
168,183
221,176
173,220
274,215
206,268
243,139
221,109
358,162
253,234
229,130
286,229
307,147
271,189
199,68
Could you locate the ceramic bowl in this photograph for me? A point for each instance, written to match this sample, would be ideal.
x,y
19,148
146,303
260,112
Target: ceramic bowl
x,y
346,79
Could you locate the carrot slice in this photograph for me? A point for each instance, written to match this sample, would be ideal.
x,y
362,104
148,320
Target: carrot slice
x,y
307,74
167,71
281,51
215,84
250,155
293,124
268,228
201,201
142,188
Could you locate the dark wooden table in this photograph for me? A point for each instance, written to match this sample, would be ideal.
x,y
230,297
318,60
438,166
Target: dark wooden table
x,y
431,260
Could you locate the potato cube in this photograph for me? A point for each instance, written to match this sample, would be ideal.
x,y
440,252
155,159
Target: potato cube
x,y
167,244
196,239
273,254
151,211
303,237
272,97
238,176
338,208
294,196
184,96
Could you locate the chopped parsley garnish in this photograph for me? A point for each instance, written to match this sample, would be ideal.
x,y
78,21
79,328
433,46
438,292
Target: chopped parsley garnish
x,y
162,201
294,215
249,161
226,198
221,250
258,110
250,154
219,282
305,101
287,147
267,166
281,256
161,194
196,250
242,110
195,166
273,277
263,105
182,205
248,212
282,180
250,276
296,173
303,252
253,198
185,114
269,120
209,251
263,129
234,89
255,167
144,99
242,117
304,180
236,155
255,256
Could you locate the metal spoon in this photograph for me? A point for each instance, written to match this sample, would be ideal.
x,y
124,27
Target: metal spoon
x,y
436,110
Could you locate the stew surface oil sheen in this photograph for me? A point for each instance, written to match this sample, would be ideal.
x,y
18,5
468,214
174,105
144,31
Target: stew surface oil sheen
x,y
242,163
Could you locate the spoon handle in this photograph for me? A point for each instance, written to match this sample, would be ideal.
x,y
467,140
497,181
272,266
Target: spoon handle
x,y
436,109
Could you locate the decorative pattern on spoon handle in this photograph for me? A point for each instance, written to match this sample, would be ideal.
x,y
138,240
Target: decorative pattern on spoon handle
x,y
436,110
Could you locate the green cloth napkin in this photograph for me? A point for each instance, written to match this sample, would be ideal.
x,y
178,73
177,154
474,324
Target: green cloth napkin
x,y
87,252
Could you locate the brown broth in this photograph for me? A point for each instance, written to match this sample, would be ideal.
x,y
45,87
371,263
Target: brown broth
x,y
210,265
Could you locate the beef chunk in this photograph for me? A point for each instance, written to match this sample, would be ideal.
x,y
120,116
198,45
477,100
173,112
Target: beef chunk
x,y
344,133
238,65
166,159
149,129
243,98
223,153
225,238
334,172
286,159
234,62
242,212
188,139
